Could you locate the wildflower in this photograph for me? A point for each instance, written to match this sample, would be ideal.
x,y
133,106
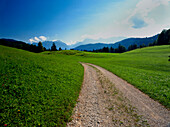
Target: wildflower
x,y
2,85
18,110
5,125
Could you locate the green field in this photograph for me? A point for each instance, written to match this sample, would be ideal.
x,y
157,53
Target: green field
x,y
148,69
42,88
37,89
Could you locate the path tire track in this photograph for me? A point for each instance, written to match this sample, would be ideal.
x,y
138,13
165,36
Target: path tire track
x,y
106,100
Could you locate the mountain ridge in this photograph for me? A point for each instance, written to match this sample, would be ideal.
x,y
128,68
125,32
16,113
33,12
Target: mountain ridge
x,y
125,42
92,44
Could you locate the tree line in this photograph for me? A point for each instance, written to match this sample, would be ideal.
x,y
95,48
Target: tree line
x,y
28,47
54,48
163,39
22,45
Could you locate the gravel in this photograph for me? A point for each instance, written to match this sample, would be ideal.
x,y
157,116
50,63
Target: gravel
x,y
106,100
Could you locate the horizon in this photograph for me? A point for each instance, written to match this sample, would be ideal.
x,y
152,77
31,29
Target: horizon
x,y
95,42
76,20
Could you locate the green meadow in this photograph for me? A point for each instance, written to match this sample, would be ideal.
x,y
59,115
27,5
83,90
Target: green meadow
x,y
41,89
148,69
37,89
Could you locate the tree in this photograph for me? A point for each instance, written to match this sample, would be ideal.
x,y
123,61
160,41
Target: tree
x,y
121,49
60,49
164,38
143,45
130,47
150,44
135,46
105,49
53,47
154,43
112,50
40,47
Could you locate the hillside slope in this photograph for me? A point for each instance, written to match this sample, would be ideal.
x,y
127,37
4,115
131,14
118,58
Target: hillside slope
x,y
37,89
147,69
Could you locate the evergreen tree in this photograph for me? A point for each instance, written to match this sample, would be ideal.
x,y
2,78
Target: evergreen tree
x,y
116,50
40,47
112,50
143,45
53,47
121,49
60,49
135,46
154,43
150,44
130,47
164,38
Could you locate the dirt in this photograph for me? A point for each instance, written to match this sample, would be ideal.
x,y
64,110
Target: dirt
x,y
106,100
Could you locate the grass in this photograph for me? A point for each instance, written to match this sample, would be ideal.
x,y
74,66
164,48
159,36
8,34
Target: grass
x,y
148,69
37,89
41,89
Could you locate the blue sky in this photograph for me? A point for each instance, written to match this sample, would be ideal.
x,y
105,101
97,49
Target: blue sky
x,y
75,20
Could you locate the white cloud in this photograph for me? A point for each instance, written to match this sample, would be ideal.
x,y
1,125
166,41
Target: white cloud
x,y
135,22
108,33
72,42
31,40
43,38
143,8
36,39
146,25
92,36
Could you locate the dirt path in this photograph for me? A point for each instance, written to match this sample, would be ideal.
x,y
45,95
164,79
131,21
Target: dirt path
x,y
106,100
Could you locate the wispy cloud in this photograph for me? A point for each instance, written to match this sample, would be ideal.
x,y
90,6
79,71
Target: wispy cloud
x,y
92,36
139,17
43,38
141,20
37,39
138,22
31,40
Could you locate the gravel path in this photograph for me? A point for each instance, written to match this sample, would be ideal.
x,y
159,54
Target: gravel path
x,y
106,100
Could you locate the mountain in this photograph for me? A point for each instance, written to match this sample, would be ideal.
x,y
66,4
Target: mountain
x,y
58,43
100,40
90,47
126,42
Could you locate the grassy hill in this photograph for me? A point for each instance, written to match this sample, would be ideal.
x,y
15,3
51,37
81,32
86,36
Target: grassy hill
x,y
148,69
37,89
42,88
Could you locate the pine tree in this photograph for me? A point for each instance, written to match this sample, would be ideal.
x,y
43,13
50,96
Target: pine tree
x,y
53,47
40,47
121,48
112,50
